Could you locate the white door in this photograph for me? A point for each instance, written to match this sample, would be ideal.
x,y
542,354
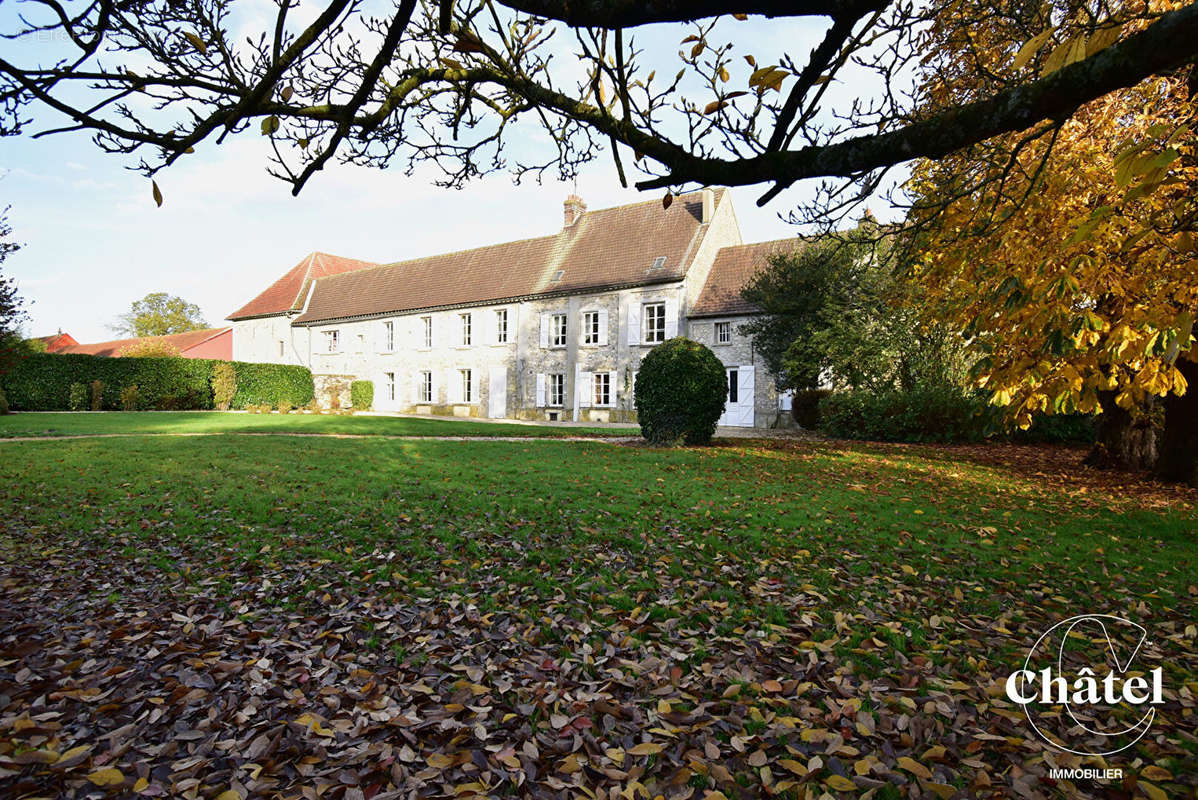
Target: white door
x,y
497,393
738,410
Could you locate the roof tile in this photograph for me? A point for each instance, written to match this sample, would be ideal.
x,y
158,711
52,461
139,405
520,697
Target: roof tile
x,y
732,270
607,247
287,293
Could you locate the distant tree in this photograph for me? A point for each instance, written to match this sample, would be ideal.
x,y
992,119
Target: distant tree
x,y
158,314
12,306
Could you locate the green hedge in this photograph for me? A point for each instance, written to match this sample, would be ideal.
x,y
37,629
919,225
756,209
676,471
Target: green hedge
x,y
272,385
942,414
361,395
680,393
42,382
804,408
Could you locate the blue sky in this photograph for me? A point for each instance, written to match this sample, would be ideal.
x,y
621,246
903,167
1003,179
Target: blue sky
x,y
94,241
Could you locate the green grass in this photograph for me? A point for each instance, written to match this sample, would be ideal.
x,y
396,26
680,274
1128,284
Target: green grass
x,y
66,424
842,569
600,521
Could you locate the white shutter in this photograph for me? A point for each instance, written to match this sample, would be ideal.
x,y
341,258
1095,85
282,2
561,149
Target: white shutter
x,y
671,319
490,327
585,389
602,327
634,322
540,390
416,376
544,330
452,387
613,389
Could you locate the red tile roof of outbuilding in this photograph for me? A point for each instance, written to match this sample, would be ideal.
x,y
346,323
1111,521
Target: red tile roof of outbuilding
x,y
287,293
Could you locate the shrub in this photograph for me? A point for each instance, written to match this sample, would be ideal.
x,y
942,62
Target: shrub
x,y
97,395
361,395
42,382
680,392
224,385
926,414
4,409
804,407
78,397
271,384
129,398
1058,428
149,349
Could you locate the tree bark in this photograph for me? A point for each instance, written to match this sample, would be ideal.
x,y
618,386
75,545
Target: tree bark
x,y
1123,440
1178,460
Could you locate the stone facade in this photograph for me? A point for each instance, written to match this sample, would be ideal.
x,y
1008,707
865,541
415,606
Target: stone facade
x,y
422,362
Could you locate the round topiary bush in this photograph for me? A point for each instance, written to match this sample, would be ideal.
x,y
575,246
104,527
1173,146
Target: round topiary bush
x,y
680,392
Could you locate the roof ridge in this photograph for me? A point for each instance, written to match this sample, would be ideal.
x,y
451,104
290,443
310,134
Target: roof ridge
x,y
464,250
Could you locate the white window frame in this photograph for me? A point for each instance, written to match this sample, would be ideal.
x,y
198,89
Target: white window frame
x,y
723,333
651,329
556,390
559,326
426,387
388,336
592,332
602,381
466,376
427,333
501,329
332,340
389,383
466,325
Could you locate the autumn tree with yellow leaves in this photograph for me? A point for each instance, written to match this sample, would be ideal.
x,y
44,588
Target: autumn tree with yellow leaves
x,y
1067,253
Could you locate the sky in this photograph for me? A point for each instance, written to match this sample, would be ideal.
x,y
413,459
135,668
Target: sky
x,y
94,241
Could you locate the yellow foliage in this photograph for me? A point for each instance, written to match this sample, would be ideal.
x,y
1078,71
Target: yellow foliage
x,y
1071,269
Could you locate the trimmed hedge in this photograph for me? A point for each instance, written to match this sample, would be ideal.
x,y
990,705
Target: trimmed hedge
x,y
272,384
680,393
43,381
942,414
361,395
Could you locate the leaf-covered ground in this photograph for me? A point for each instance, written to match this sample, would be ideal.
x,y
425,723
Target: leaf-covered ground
x,y
244,616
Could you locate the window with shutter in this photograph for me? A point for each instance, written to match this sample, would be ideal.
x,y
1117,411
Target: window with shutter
x,y
501,326
654,315
557,389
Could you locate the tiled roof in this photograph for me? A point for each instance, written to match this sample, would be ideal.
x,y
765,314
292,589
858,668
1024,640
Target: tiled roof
x,y
179,341
287,293
733,268
56,341
604,248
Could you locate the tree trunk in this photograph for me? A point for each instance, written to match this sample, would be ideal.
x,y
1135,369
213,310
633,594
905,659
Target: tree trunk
x,y
1178,460
1123,441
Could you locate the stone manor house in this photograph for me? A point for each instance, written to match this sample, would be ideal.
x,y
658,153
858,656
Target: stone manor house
x,y
551,328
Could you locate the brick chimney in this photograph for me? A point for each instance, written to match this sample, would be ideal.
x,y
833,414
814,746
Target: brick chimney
x,y
575,208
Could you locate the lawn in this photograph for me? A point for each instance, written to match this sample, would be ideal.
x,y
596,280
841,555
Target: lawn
x,y
204,422
379,617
